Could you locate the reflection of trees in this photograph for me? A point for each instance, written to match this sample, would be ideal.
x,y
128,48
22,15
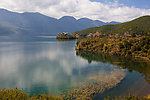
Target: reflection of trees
x,y
131,64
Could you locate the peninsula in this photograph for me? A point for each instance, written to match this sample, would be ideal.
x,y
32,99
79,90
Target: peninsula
x,y
126,39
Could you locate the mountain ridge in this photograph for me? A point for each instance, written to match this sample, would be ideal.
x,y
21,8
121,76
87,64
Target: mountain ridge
x,y
139,25
34,23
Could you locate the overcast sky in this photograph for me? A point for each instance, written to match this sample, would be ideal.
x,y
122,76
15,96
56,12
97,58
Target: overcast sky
x,y
104,10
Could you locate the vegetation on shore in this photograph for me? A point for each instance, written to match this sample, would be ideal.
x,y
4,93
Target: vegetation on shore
x,y
135,47
127,39
76,94
15,94
64,36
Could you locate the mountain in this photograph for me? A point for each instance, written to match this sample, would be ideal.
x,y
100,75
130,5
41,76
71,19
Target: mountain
x,y
70,24
29,23
137,26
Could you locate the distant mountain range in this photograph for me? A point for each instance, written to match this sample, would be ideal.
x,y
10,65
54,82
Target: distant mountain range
x,y
12,24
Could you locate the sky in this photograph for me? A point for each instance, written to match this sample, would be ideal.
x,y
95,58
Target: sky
x,y
104,10
143,4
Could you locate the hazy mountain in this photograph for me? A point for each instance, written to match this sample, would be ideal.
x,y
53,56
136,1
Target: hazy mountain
x,y
12,23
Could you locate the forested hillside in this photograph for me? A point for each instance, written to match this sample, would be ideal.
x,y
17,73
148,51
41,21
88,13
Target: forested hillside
x,y
126,39
138,26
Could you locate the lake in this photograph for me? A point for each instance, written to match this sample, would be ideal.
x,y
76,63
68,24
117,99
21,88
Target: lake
x,y
48,66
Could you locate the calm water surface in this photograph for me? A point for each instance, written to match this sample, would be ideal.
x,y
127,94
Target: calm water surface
x,y
53,67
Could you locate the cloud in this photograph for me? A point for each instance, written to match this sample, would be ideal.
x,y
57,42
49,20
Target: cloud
x,y
111,11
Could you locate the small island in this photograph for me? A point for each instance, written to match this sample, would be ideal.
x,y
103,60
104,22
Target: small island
x,y
65,36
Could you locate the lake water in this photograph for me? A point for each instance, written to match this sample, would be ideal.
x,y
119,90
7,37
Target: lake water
x,y
54,67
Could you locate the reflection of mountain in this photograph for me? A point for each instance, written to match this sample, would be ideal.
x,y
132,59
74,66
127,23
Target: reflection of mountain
x,y
131,64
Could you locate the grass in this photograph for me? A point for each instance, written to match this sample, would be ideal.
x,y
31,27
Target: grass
x,y
15,94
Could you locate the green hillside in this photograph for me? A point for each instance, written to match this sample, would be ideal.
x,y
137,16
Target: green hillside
x,y
135,47
139,26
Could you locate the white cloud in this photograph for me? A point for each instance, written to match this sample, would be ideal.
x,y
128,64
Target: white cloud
x,y
112,11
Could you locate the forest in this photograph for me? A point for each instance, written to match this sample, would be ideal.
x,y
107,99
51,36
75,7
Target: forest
x,y
135,47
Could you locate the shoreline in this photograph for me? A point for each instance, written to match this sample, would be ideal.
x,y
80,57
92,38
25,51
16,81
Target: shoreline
x,y
135,57
131,47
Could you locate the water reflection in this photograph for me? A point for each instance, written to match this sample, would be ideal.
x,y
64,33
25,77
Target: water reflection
x,y
34,65
131,64
43,67
134,82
